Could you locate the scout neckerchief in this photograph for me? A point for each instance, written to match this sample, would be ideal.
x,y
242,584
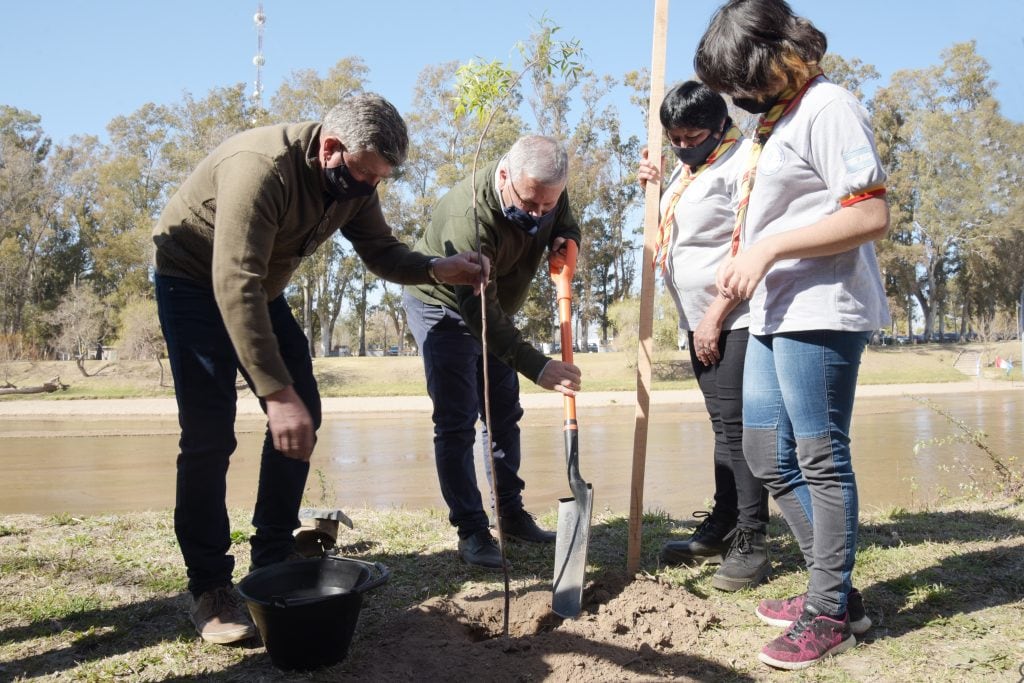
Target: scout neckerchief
x,y
786,102
665,227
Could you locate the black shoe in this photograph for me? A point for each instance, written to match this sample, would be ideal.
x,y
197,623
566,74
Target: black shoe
x,y
290,557
746,562
480,550
707,545
522,527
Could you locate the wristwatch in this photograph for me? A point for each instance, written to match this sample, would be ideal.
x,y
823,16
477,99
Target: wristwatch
x,y
430,270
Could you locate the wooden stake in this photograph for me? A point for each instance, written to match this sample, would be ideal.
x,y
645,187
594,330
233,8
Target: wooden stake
x,y
646,346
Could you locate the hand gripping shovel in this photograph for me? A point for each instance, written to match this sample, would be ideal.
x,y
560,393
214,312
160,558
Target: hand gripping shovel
x,y
573,532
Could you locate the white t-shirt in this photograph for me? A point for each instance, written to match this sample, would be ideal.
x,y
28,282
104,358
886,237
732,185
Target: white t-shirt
x,y
701,236
819,154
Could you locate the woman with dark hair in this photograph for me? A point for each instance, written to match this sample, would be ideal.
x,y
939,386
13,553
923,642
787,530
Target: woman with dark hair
x,y
812,204
697,208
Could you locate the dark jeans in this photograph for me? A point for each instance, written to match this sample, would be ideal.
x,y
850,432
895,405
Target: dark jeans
x,y
453,363
204,366
739,495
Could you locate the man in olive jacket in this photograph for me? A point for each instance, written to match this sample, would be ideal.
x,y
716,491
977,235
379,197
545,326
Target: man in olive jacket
x,y
227,244
524,213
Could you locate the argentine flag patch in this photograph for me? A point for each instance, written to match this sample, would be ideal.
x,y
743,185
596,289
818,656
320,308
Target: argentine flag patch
x,y
859,159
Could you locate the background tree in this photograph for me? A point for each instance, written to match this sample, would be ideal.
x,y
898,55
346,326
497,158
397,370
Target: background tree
x,y
128,185
951,166
140,336
78,323
28,203
198,126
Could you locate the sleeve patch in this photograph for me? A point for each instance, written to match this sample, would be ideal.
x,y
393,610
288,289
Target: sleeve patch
x,y
859,159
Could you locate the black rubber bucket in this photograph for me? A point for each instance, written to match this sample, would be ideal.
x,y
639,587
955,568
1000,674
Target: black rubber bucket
x,y
306,611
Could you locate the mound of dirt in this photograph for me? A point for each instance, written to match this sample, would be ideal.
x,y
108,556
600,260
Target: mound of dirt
x,y
629,630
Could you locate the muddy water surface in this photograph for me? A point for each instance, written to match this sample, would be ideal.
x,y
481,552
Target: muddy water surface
x,y
96,465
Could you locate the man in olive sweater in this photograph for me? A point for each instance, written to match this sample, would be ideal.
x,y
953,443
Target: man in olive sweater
x,y
524,212
227,244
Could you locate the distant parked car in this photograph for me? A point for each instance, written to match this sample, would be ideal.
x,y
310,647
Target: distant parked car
x,y
392,351
343,350
592,346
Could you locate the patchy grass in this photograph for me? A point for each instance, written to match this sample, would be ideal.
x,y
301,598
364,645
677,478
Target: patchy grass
x,y
102,598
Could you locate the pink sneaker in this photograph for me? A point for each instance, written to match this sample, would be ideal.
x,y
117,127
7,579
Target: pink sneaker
x,y
782,613
810,638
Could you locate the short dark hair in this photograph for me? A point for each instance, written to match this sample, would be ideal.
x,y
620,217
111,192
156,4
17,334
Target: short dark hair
x,y
693,105
751,44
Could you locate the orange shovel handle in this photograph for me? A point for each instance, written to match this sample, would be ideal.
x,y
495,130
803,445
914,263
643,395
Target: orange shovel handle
x,y
563,291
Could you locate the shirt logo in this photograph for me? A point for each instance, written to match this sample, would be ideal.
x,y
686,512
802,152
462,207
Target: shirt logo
x,y
771,161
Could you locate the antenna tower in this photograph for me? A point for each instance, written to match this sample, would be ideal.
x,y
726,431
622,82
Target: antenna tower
x,y
257,94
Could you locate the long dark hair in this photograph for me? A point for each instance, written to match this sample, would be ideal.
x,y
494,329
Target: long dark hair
x,y
693,105
751,45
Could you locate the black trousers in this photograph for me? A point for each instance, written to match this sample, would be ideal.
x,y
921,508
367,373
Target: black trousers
x,y
739,495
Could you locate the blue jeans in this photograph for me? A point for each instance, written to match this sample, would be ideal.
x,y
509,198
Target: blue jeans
x,y
798,394
740,497
453,363
204,366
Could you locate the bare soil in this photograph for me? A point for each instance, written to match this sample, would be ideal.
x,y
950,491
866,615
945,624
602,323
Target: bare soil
x,y
642,630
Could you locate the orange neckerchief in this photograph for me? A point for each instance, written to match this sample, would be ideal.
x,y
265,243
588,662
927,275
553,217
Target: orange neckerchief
x,y
661,250
786,102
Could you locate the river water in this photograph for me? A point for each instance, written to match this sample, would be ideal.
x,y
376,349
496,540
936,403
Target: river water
x,y
93,465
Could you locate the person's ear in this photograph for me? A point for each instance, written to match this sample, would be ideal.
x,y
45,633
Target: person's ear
x,y
329,146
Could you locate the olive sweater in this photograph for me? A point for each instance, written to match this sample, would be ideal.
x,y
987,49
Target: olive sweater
x,y
515,257
244,219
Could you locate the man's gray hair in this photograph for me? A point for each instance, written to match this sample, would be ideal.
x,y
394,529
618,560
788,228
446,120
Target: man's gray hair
x,y
540,157
369,122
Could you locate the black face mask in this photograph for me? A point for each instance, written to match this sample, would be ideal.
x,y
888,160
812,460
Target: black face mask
x,y
755,106
342,186
695,156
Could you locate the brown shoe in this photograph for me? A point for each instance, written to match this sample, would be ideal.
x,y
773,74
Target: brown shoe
x,y
219,618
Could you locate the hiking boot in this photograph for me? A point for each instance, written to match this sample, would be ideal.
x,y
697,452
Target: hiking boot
x,y
706,545
746,562
811,638
220,618
480,550
785,612
521,526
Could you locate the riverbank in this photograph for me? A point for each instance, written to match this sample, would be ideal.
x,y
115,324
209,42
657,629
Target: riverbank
x,y
248,405
393,383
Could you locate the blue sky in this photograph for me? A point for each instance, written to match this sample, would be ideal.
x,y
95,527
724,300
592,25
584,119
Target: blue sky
x,y
78,64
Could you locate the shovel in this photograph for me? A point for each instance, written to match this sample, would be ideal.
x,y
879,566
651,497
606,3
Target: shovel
x,y
573,533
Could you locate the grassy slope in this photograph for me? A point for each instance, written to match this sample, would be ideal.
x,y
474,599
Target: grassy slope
x,y
100,598
387,376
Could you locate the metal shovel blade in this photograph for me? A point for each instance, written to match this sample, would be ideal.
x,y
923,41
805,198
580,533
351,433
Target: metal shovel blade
x,y
572,537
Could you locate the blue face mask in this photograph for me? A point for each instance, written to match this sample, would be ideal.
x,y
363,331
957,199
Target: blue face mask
x,y
527,223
